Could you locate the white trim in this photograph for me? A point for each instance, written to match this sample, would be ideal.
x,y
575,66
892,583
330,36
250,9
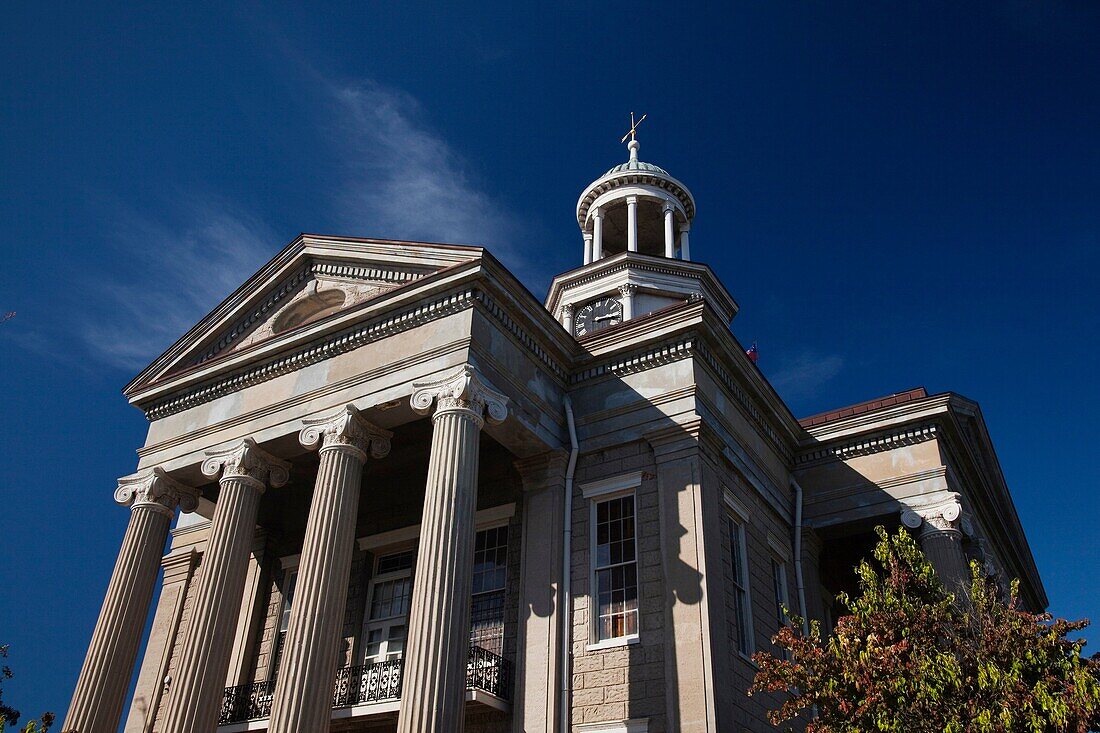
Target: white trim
x,y
634,725
290,561
608,490
612,643
736,505
622,483
779,548
484,519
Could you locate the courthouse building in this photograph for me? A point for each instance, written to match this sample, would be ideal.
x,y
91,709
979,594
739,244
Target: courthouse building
x,y
415,498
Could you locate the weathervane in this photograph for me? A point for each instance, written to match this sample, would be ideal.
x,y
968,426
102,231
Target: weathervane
x,y
633,128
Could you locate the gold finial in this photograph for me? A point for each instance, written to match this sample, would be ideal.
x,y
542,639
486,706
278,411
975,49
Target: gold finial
x,y
633,128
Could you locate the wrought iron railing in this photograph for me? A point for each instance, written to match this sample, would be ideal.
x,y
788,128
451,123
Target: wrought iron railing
x,y
489,672
247,702
367,683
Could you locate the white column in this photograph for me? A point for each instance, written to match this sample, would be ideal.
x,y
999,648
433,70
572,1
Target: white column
x,y
567,317
941,538
587,247
195,697
104,679
631,223
627,292
685,251
670,237
303,691
433,686
597,234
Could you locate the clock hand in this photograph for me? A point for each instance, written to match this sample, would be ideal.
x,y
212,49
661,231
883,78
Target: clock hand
x,y
604,318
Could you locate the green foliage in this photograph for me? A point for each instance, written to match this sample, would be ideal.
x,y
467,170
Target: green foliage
x,y
909,658
8,714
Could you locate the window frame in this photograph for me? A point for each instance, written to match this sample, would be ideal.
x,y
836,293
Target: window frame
x,y
742,583
384,624
289,565
595,642
503,590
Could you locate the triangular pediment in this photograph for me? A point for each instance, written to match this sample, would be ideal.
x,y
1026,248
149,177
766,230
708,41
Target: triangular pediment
x,y
312,279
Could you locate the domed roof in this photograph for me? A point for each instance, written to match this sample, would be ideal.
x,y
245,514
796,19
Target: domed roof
x,y
637,165
627,177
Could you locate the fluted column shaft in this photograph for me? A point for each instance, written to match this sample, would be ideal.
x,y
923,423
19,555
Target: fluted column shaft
x,y
195,695
97,701
434,682
670,236
303,692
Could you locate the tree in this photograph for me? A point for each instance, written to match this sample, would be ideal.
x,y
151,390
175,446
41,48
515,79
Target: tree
x,y
8,714
909,658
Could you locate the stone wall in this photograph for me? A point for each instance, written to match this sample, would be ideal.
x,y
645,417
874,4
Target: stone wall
x,y
627,681
184,626
750,713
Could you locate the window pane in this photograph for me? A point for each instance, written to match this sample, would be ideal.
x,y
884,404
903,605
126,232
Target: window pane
x,y
616,576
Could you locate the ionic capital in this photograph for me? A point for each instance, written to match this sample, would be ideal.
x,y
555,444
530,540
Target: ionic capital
x,y
668,206
627,290
346,430
567,310
944,514
464,391
249,462
154,489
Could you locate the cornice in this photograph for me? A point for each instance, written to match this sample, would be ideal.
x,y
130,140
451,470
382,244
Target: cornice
x,y
626,262
881,418
417,257
616,179
332,345
747,403
870,444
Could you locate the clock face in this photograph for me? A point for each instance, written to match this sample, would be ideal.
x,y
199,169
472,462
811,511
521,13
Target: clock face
x,y
596,315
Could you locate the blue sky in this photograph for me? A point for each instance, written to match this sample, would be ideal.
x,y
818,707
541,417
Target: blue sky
x,y
897,194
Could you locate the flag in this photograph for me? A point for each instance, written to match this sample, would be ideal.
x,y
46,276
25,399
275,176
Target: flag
x,y
752,353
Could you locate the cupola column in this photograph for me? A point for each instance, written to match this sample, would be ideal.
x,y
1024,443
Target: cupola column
x,y
670,236
587,247
631,223
196,692
434,679
627,292
303,692
597,234
685,251
96,706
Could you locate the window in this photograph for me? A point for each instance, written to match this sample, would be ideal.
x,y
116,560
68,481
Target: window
x,y
389,595
779,577
615,568
290,579
742,610
490,576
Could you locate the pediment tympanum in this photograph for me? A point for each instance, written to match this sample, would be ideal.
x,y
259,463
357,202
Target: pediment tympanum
x,y
315,295
312,279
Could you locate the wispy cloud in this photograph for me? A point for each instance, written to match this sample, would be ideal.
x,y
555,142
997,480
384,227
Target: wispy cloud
x,y
167,275
806,373
397,179
404,181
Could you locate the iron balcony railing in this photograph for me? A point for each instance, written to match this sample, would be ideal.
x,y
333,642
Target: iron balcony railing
x,y
368,683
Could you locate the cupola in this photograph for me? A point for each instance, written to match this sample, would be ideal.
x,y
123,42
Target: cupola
x,y
635,220
635,207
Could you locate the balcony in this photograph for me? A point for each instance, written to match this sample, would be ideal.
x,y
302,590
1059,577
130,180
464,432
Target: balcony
x,y
376,685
